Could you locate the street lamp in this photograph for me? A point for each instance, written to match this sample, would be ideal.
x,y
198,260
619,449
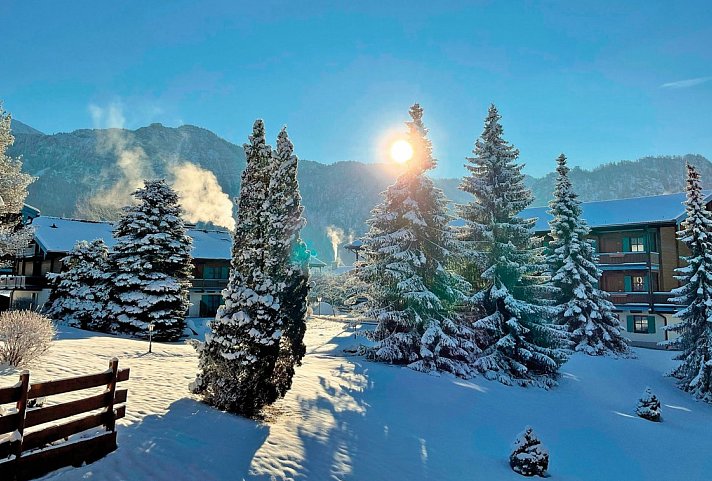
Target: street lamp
x,y
150,336
318,305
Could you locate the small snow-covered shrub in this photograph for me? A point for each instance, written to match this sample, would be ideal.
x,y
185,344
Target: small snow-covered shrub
x,y
24,337
530,457
649,406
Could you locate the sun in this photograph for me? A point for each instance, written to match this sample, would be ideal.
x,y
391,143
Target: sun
x,y
401,151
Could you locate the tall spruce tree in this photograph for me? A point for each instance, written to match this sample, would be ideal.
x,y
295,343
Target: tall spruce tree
x,y
14,236
694,374
151,265
237,360
583,308
80,292
519,347
289,260
407,248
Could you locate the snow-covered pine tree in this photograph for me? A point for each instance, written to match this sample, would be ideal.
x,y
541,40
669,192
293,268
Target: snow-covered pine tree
x,y
519,346
694,374
289,260
14,236
649,406
530,457
407,248
238,358
151,266
583,308
80,292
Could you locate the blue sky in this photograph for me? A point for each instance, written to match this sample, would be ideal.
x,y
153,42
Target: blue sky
x,y
600,81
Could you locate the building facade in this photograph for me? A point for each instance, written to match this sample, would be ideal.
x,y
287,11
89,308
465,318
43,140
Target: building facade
x,y
638,252
27,285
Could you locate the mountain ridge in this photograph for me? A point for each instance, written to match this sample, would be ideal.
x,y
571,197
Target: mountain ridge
x,y
75,167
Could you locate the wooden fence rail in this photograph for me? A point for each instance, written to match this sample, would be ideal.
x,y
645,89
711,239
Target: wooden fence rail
x,y
33,454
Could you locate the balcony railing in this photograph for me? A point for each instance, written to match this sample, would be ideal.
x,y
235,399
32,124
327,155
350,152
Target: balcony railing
x,y
22,282
209,283
640,298
628,258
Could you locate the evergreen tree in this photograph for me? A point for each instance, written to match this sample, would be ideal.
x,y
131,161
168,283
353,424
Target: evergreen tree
x,y
237,360
530,457
80,292
518,347
694,374
406,250
649,406
14,236
289,260
151,265
583,308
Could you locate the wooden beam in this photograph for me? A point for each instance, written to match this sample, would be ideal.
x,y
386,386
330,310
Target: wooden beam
x,y
72,408
50,434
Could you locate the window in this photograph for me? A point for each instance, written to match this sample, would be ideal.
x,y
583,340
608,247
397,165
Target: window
x,y
209,305
637,244
639,284
640,324
216,272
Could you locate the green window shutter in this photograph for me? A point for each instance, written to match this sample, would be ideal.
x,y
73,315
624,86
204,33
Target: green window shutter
x,y
651,324
645,283
628,282
631,327
626,244
645,243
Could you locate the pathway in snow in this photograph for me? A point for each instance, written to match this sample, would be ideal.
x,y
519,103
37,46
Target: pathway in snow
x,y
350,419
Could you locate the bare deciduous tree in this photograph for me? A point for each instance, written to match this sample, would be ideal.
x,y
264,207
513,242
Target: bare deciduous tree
x,y
24,337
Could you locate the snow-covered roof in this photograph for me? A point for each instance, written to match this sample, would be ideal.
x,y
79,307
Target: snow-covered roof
x,y
355,245
316,262
656,209
57,234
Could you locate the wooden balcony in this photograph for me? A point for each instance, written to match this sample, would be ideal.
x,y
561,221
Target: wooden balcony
x,y
640,298
209,283
613,258
23,282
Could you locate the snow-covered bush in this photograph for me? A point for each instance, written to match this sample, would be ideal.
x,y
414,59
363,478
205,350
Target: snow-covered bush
x,y
530,457
649,406
24,337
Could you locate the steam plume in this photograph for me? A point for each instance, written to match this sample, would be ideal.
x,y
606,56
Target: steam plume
x,y
336,236
201,196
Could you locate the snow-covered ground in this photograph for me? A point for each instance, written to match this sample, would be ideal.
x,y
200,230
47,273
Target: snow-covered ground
x,y
350,419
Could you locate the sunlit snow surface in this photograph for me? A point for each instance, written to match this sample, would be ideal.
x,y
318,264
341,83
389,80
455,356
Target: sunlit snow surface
x,y
350,419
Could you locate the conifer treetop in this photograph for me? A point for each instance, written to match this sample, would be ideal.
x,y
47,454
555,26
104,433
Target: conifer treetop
x,y
422,160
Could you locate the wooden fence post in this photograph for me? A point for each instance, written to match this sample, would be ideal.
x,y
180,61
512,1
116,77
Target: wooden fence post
x,y
111,388
21,409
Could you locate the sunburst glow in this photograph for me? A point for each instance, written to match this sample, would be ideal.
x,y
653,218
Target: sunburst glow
x,y
401,151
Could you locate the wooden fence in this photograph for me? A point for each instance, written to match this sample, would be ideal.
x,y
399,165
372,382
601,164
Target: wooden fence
x,y
28,455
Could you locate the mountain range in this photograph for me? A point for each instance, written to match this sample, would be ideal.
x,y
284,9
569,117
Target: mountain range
x,y
90,172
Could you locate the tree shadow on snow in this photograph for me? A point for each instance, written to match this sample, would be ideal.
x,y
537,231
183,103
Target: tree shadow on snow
x,y
192,441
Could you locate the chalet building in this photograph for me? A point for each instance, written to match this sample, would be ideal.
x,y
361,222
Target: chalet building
x,y
54,237
27,286
637,252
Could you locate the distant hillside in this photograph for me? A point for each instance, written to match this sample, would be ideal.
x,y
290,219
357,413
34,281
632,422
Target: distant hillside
x,y
20,128
628,178
74,167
